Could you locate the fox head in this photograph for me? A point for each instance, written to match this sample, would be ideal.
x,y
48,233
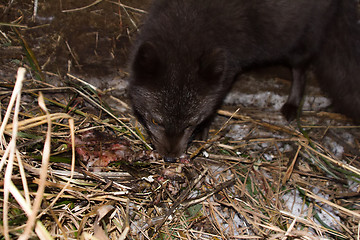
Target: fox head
x,y
174,92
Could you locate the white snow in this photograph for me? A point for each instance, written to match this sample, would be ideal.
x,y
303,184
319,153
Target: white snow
x,y
334,147
261,99
238,131
296,205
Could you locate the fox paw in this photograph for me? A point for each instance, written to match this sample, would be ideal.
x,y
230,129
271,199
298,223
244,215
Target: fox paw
x,y
289,111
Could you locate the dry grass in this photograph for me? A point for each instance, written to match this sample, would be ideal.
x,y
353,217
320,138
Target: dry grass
x,y
241,189
226,195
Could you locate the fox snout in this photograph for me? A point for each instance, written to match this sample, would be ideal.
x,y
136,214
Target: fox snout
x,y
172,146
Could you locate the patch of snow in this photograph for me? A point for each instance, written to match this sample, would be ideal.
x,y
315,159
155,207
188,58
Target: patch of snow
x,y
286,148
215,169
239,222
326,213
316,103
268,157
334,147
265,144
274,101
353,186
205,154
261,99
223,217
348,137
238,131
295,204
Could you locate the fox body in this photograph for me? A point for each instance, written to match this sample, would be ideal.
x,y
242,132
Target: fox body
x,y
189,52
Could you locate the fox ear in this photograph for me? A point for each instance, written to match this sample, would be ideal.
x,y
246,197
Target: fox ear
x,y
212,65
147,61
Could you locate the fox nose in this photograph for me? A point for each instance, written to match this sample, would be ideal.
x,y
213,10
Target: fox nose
x,y
170,159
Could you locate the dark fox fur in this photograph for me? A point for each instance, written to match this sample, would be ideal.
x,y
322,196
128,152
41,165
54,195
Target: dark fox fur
x,y
189,52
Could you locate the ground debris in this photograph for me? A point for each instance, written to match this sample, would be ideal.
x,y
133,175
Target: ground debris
x,y
258,177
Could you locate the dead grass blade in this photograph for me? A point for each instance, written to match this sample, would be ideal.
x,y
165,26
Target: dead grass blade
x,y
15,98
43,175
336,162
321,199
82,8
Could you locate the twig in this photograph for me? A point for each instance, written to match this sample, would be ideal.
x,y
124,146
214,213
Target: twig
x,y
82,8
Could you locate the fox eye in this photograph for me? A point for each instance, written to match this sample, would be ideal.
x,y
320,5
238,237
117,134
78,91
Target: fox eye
x,y
154,122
